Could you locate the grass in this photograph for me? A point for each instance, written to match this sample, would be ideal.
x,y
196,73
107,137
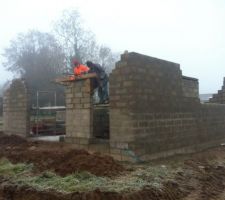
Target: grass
x,y
21,174
9,169
74,182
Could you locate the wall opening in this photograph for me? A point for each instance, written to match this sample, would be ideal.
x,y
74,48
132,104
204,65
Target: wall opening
x,y
101,121
47,118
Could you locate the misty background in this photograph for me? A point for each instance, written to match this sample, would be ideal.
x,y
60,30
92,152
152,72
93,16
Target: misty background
x,y
190,33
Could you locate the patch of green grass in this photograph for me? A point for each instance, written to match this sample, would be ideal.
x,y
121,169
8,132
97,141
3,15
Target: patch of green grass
x,y
84,181
75,182
9,169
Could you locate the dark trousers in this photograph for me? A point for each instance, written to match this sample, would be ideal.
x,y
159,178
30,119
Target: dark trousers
x,y
103,92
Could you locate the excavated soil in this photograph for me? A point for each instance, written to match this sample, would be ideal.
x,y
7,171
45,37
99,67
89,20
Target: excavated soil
x,y
13,192
11,140
199,176
204,174
59,158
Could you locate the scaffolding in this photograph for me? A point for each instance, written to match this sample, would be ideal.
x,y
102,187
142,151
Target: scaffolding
x,y
40,125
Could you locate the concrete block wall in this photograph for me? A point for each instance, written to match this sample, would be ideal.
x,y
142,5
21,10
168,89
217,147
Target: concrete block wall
x,y
190,87
16,111
142,84
149,134
148,81
211,122
170,133
79,111
219,97
155,111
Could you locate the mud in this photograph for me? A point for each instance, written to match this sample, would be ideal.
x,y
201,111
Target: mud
x,y
58,158
11,140
201,176
204,175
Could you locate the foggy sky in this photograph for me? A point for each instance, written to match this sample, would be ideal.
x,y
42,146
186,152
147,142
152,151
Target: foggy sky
x,y
189,32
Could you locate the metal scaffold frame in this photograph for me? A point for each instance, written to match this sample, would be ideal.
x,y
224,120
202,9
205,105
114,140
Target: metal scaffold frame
x,y
38,108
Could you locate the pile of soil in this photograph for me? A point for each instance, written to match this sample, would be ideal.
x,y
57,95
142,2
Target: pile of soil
x,y
80,160
201,176
6,140
62,160
11,191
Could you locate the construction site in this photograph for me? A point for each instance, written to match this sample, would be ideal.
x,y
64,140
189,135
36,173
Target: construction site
x,y
153,139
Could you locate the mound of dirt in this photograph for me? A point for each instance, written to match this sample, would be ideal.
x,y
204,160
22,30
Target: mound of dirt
x,y
64,161
6,140
76,160
208,179
11,191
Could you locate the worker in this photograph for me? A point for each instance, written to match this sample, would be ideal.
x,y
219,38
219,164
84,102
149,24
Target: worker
x,y
102,77
79,69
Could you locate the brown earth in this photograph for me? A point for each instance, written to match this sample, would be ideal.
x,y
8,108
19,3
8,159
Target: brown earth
x,y
13,192
201,176
206,176
60,158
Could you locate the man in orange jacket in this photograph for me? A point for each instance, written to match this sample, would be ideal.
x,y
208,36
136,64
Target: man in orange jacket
x,y
79,69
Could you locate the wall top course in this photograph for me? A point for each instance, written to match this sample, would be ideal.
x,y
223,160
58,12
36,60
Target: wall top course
x,y
148,84
190,78
133,57
219,97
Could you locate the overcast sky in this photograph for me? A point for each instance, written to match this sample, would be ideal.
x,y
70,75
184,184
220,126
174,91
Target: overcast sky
x,y
189,32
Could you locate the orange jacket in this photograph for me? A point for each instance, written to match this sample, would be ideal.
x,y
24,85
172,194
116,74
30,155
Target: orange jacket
x,y
80,69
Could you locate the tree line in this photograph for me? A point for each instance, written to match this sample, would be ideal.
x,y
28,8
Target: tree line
x,y
40,57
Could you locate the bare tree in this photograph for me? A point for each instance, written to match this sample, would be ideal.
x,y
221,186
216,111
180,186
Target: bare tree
x,y
107,58
80,43
75,39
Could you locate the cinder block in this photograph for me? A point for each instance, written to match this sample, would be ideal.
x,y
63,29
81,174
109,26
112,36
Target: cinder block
x,y
76,100
85,100
86,105
69,95
78,94
77,105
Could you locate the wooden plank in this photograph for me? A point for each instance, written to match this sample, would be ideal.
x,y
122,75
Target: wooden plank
x,y
71,78
101,105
